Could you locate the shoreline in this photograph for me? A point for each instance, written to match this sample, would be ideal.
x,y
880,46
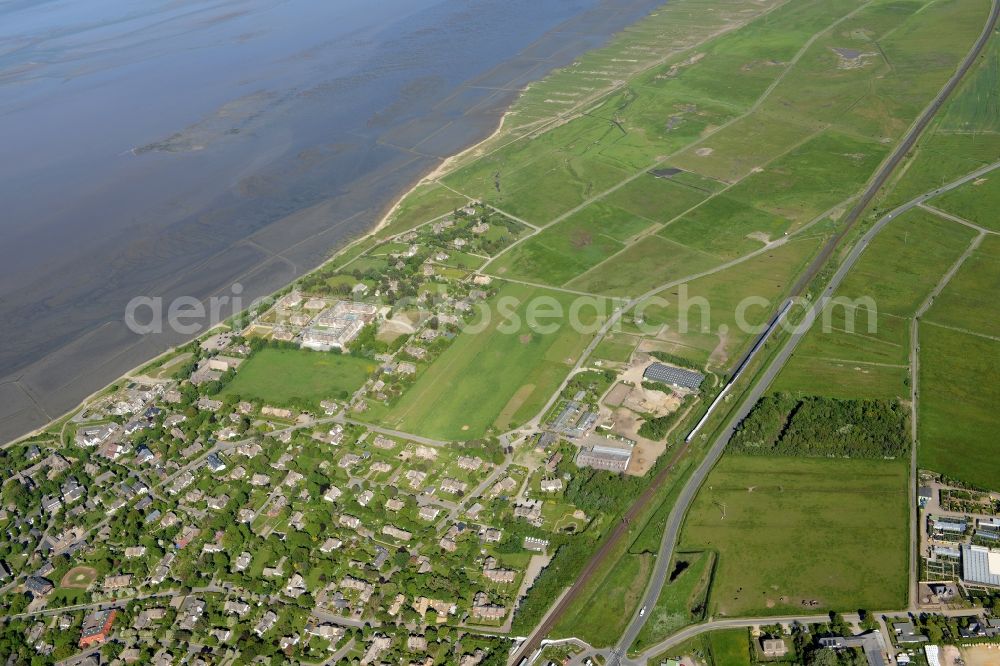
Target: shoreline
x,y
438,171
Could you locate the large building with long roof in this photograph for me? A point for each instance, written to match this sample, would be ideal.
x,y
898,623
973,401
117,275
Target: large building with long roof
x,y
980,566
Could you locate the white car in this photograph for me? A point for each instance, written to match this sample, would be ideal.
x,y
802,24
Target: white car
x,y
642,612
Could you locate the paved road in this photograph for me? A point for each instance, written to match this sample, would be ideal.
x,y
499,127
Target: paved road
x,y
756,392
915,394
676,518
672,529
692,631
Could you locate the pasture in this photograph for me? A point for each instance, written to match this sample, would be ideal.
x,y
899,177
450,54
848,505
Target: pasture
x,y
841,355
713,333
958,403
977,201
286,376
833,531
969,300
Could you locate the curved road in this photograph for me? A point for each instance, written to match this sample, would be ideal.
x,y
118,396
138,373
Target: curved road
x,y
756,392
675,520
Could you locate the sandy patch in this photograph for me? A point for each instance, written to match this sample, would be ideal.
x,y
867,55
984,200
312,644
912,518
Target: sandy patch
x,y
978,655
616,396
651,401
704,152
79,578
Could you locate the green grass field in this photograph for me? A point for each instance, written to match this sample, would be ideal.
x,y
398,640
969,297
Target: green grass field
x,y
969,300
834,531
976,108
898,270
958,405
640,267
498,377
678,600
700,338
601,618
977,201
729,647
280,376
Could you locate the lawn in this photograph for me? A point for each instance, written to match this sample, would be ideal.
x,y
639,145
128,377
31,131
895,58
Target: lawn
x,y
497,377
833,531
959,394
729,647
285,376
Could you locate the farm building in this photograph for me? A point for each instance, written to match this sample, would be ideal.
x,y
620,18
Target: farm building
x,y
679,377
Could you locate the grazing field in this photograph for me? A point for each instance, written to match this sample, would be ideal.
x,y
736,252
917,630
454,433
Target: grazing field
x,y
681,600
564,250
663,198
284,376
977,106
726,228
640,267
615,347
833,531
977,201
500,376
715,333
812,177
958,405
969,299
842,355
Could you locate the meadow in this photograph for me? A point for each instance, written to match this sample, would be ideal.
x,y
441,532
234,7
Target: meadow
x,y
713,335
286,376
681,600
977,201
897,271
959,355
969,299
958,403
496,378
793,529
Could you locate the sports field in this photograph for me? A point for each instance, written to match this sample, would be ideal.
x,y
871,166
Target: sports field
x,y
794,529
283,376
497,377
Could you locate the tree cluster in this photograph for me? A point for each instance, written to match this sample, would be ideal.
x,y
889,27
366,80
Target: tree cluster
x,y
815,426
